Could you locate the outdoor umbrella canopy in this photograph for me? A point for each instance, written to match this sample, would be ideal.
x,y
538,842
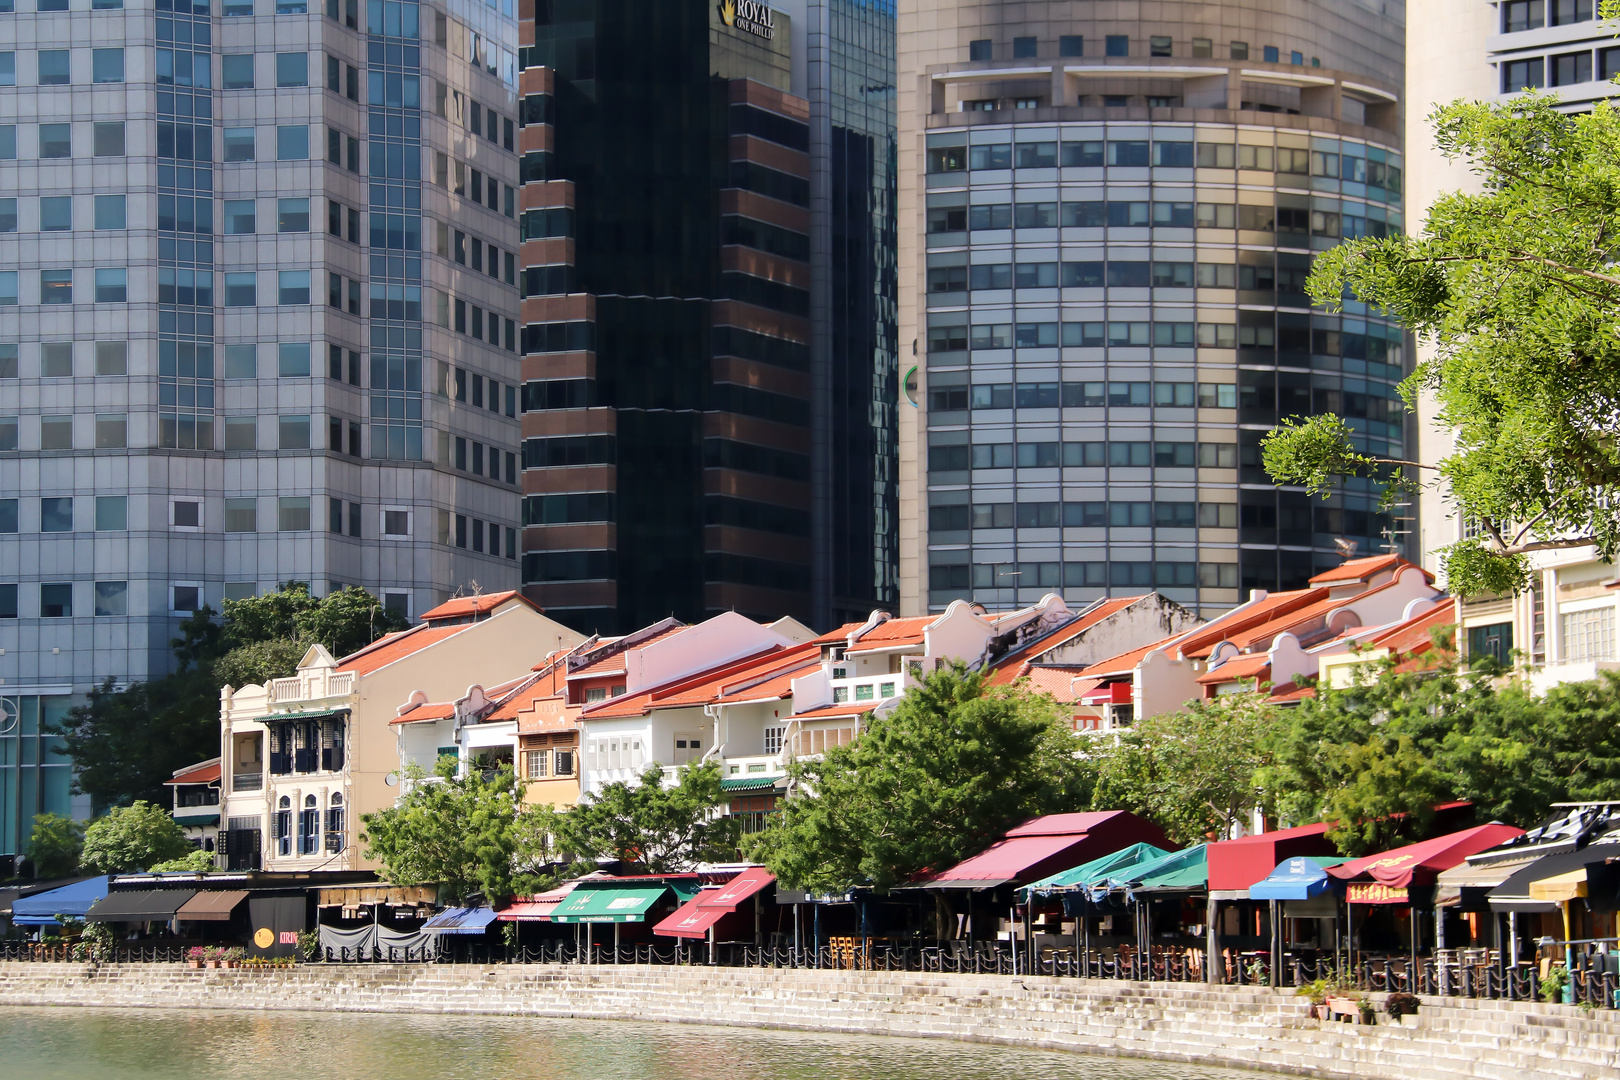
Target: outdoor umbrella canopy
x,y
459,920
74,900
618,903
1302,878
1097,870
1185,869
537,908
1421,863
697,915
141,905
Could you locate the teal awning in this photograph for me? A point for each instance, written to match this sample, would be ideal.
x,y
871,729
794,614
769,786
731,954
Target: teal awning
x,y
749,783
195,820
1095,871
316,714
1185,869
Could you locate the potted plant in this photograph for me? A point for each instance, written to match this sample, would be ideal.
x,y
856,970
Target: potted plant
x,y
195,956
1364,1006
233,957
1552,987
1315,992
309,945
1403,1007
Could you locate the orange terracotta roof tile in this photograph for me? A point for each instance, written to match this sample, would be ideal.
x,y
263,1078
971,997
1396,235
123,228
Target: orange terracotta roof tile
x,y
1413,634
1062,682
433,710
1363,568
1014,664
463,606
833,712
202,774
699,688
1288,692
1254,666
387,650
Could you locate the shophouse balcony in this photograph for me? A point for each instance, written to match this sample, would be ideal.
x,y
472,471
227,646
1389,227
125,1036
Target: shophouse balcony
x,y
753,768
312,686
869,687
305,761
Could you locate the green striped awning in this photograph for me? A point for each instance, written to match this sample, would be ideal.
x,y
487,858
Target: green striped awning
x,y
749,783
316,714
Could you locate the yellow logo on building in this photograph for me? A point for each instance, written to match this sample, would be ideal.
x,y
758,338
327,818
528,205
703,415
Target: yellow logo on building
x,y
749,16
264,937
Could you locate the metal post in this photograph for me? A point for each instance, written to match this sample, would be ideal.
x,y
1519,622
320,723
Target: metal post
x,y
1212,910
588,956
1276,946
615,942
1511,953
1569,959
1029,935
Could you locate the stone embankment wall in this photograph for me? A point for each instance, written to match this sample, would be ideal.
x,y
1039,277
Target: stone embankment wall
x,y
1245,1027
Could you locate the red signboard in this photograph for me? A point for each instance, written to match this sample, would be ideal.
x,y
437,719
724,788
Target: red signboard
x,y
1376,893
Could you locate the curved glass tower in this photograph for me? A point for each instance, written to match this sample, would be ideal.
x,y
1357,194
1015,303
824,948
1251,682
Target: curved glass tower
x,y
1106,227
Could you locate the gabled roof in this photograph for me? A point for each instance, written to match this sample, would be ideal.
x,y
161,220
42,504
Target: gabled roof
x,y
834,712
463,606
614,663
433,710
386,650
1253,666
1017,662
1363,568
1412,636
204,773
702,687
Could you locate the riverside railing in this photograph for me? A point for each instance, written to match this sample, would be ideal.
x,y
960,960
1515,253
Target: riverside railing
x,y
1588,986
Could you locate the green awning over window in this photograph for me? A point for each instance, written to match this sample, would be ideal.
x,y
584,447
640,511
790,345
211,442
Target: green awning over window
x,y
624,904
749,783
318,714
185,820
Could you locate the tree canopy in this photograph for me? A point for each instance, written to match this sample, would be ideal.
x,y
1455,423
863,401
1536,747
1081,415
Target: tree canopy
x,y
134,837
124,743
650,828
55,846
1516,289
456,831
1377,756
954,765
1196,772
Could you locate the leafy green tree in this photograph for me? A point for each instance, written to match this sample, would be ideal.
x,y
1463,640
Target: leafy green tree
x,y
454,831
650,828
937,780
124,743
196,861
55,846
1196,772
134,837
1515,287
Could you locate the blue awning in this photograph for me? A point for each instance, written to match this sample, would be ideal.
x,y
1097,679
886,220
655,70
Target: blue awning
x,y
1296,879
460,920
41,909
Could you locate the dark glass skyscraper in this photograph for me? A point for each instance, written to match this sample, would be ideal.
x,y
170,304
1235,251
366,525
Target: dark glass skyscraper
x,y
709,357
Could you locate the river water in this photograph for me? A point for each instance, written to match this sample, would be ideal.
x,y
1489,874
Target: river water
x,y
141,1044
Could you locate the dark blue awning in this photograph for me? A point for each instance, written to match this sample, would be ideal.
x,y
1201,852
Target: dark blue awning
x,y
460,920
75,900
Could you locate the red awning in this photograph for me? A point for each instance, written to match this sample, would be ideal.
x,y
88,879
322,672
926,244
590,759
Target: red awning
x,y
527,911
691,919
204,774
738,889
1237,864
1421,863
1003,861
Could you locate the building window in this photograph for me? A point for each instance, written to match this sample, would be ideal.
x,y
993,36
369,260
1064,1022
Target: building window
x,y
292,69
292,287
112,513
396,522
112,431
534,764
1203,48
292,215
292,359
55,140
1588,635
1495,641
56,213
1071,45
110,212
1272,54
294,433
1023,48
8,288
292,513
56,286
1520,15
241,289
1117,45
241,515
8,215
185,599
53,67
56,433
112,598
107,138
1159,45
8,69
112,285
241,362
8,515
238,144
107,65
292,142
56,600
773,740
8,433
239,217
1538,621
1522,75
56,515
236,71
185,513
1568,69
241,432
979,50
1564,12
56,359
112,357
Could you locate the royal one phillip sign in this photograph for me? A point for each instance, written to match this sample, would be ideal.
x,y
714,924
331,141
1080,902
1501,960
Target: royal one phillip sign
x,y
750,17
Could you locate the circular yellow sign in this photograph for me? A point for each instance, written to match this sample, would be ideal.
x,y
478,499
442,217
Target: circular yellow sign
x,y
264,937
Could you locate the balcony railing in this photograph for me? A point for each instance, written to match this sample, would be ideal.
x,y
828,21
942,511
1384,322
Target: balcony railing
x,y
742,768
306,687
870,688
247,781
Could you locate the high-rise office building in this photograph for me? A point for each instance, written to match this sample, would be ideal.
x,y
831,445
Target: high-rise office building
x,y
1107,216
1487,50
708,309
258,314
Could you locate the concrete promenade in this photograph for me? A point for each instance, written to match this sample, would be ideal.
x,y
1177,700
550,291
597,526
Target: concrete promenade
x,y
1243,1027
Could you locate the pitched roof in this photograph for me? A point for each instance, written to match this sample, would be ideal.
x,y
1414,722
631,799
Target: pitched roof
x,y
392,647
895,632
1412,636
701,687
833,712
433,710
1252,666
1363,568
614,662
1017,662
205,773
462,606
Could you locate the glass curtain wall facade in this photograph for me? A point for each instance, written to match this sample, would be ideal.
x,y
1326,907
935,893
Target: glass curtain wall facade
x,y
692,228
257,323
854,349
1106,288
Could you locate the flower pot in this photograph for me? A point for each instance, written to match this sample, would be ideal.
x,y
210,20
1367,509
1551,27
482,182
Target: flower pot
x,y
1342,1007
1321,1012
194,964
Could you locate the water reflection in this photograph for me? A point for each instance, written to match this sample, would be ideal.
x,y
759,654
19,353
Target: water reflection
x,y
136,1044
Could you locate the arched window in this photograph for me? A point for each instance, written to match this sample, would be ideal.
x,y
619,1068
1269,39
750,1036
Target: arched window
x,y
334,823
309,826
285,802
309,800
281,830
